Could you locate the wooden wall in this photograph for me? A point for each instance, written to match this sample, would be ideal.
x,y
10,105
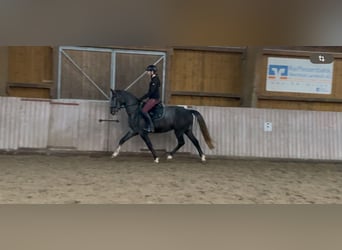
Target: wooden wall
x,y
228,77
237,132
130,66
96,65
206,76
297,101
3,69
30,71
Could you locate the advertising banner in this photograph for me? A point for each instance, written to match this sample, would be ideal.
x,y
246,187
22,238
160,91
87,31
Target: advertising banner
x,y
298,75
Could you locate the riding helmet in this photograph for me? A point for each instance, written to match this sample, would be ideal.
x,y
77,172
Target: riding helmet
x,y
151,68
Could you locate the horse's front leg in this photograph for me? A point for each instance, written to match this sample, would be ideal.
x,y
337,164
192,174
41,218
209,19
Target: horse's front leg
x,y
125,138
148,143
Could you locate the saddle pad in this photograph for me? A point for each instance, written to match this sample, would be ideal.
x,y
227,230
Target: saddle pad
x,y
157,112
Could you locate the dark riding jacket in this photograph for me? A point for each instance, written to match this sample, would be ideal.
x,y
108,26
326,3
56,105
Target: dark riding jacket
x,y
153,90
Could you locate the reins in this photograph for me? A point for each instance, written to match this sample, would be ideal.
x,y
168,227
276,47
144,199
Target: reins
x,y
130,105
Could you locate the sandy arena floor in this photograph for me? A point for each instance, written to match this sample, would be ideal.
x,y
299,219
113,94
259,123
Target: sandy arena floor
x,y
132,179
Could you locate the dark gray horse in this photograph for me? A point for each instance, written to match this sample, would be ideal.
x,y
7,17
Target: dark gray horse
x,y
174,118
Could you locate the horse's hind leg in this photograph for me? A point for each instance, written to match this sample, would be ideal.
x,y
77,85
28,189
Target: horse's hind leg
x,y
126,137
193,139
180,139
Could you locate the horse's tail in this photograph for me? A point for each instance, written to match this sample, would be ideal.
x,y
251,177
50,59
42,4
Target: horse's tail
x,y
203,128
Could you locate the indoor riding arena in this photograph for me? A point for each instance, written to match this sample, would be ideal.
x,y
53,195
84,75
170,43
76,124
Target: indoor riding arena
x,y
273,115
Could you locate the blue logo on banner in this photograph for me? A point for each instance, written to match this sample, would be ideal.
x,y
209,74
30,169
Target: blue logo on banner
x,y
278,71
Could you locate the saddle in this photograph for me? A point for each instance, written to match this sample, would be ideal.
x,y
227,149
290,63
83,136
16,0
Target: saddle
x,y
157,112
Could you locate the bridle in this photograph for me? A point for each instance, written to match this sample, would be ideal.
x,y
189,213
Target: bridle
x,y
114,107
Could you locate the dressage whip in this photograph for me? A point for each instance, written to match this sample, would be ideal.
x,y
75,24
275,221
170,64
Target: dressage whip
x,y
108,120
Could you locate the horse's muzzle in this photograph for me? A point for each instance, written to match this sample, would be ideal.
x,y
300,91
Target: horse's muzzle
x,y
113,111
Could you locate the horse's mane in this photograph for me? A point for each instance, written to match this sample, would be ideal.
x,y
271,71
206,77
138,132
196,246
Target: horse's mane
x,y
124,92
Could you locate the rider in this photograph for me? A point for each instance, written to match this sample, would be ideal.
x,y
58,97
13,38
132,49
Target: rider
x,y
153,96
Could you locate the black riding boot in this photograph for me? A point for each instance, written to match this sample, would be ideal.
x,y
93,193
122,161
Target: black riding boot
x,y
150,126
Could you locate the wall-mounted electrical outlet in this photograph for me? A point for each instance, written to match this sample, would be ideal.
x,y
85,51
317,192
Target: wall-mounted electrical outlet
x,y
268,126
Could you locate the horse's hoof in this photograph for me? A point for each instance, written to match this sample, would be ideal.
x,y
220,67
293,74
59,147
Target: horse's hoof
x,y
156,160
116,152
203,158
169,157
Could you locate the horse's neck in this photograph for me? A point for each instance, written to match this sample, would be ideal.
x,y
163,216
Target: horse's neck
x,y
131,110
132,104
129,98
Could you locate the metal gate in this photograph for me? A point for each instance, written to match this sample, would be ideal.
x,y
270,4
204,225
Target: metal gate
x,y
85,74
89,73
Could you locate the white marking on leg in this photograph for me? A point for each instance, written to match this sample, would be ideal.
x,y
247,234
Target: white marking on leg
x,y
156,160
169,157
203,158
116,152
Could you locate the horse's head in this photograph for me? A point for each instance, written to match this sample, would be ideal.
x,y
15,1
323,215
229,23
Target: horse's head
x,y
115,102
122,99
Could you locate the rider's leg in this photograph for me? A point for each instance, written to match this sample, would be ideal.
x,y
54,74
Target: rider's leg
x,y
148,106
147,118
